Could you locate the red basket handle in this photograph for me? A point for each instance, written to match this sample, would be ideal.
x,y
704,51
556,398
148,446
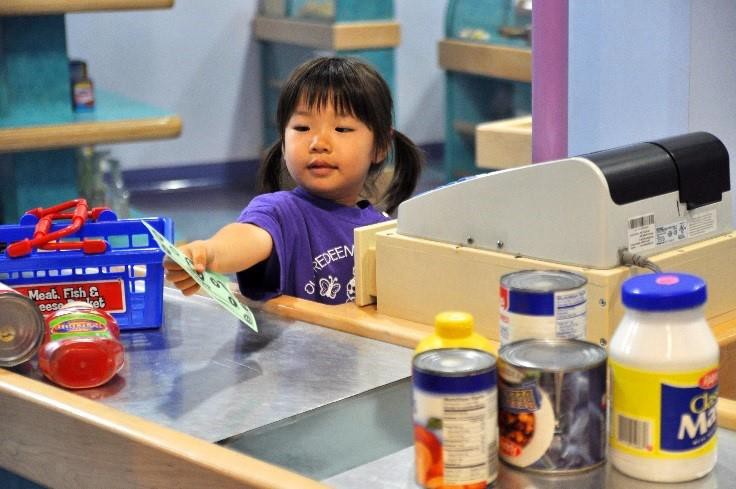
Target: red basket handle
x,y
46,240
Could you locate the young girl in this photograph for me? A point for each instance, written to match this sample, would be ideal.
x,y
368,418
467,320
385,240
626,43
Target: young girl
x,y
334,117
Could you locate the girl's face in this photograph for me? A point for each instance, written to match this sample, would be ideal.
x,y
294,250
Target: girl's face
x,y
329,154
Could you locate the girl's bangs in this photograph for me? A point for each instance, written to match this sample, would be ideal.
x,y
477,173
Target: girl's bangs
x,y
316,94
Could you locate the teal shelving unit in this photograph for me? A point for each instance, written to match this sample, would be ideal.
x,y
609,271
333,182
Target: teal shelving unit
x,y
293,31
487,57
39,131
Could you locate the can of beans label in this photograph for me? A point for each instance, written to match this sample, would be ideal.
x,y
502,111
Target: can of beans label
x,y
455,418
552,405
542,304
21,327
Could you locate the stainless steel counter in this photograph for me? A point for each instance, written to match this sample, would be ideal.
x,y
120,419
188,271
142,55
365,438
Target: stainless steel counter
x,y
205,374
329,405
396,471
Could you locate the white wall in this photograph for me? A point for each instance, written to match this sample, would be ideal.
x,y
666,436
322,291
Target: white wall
x,y
643,70
713,73
200,61
628,72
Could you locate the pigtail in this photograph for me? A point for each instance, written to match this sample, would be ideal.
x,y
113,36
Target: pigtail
x,y
408,162
269,173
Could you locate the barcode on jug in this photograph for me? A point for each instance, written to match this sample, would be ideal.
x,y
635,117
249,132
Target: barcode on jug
x,y
634,432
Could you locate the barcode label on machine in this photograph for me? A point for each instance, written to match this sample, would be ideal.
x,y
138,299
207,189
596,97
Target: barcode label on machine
x,y
641,233
641,221
633,432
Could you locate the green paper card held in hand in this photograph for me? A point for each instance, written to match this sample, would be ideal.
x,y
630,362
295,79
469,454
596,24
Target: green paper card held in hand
x,y
213,283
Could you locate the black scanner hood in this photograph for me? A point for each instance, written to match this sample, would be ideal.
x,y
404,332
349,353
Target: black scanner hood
x,y
694,164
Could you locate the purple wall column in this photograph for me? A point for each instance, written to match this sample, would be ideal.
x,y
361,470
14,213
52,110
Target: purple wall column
x,y
549,80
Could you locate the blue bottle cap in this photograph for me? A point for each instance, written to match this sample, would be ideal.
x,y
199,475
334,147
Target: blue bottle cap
x,y
663,292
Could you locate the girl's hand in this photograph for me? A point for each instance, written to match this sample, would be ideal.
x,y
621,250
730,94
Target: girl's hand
x,y
233,248
197,251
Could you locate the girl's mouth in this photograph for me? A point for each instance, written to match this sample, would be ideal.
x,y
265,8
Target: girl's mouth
x,y
320,168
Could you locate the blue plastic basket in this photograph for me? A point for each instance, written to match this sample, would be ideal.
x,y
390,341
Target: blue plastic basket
x,y
130,272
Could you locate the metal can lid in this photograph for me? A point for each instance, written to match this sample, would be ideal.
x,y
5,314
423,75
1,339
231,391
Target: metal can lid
x,y
454,362
663,292
21,329
556,355
542,281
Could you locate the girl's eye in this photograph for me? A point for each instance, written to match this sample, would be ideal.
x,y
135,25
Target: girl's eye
x,y
343,129
301,128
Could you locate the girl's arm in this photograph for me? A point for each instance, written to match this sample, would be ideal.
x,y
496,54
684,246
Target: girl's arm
x,y
233,248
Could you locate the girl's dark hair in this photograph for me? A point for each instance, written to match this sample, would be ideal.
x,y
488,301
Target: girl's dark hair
x,y
352,87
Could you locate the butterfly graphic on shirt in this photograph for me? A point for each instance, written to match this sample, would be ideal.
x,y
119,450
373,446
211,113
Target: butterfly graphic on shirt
x,y
329,287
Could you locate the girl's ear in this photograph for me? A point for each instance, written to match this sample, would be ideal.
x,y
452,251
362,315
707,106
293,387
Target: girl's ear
x,y
382,153
380,156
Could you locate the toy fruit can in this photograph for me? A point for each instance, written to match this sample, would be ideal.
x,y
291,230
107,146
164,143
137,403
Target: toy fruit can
x,y
552,405
21,327
81,347
455,418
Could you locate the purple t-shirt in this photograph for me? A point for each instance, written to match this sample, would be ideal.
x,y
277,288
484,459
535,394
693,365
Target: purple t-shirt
x,y
312,254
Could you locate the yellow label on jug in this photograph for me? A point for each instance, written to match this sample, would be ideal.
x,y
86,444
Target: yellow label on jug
x,y
663,415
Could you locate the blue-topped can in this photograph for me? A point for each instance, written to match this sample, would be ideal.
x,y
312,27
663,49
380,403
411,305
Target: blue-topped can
x,y
542,304
455,417
664,292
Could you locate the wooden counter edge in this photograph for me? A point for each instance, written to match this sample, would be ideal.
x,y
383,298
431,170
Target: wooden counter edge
x,y
63,440
362,321
726,413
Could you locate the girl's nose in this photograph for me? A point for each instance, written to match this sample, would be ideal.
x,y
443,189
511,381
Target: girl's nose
x,y
320,144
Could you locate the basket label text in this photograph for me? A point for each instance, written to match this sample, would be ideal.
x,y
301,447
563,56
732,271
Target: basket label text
x,y
107,295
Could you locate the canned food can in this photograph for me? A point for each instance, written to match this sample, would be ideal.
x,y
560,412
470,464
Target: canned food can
x,y
552,405
21,327
542,304
455,418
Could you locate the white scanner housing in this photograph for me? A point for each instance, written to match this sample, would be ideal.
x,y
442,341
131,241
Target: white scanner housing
x,y
645,198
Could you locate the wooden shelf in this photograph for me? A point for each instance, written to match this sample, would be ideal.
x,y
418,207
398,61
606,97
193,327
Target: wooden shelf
x,y
114,119
486,60
339,36
41,7
504,144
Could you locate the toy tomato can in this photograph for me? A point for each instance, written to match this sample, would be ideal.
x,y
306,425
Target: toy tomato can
x,y
455,418
21,327
552,405
81,347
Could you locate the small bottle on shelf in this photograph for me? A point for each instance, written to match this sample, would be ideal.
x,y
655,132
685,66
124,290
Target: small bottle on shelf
x,y
82,88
